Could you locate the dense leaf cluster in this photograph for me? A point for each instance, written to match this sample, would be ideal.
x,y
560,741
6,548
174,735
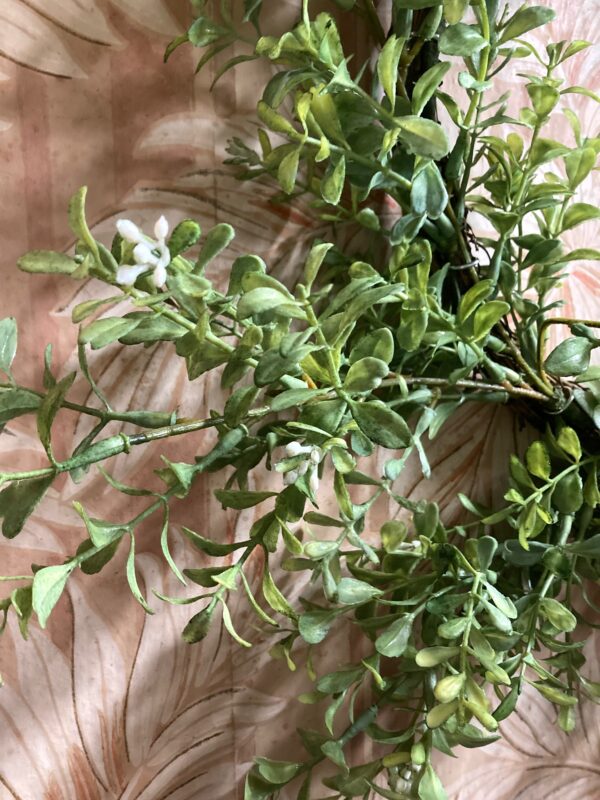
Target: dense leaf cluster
x,y
375,346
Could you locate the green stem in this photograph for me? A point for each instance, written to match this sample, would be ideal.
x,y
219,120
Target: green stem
x,y
481,386
115,445
542,385
483,64
470,616
364,160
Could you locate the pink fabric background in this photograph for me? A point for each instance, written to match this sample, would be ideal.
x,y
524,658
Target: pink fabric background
x,y
108,703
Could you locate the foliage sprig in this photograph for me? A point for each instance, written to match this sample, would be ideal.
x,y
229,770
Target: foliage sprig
x,y
375,346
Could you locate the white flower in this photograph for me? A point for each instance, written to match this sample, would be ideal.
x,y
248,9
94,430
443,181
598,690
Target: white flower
x,y
311,458
148,254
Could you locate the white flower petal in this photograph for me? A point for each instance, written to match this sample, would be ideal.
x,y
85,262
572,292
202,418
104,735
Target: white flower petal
x,y
161,228
295,449
144,255
159,276
290,477
129,273
313,481
165,256
302,467
316,455
129,231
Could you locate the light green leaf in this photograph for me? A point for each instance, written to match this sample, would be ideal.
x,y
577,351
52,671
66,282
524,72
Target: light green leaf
x,y
569,442
579,163
332,182
314,261
378,344
228,623
538,460
526,19
570,357
461,40
266,298
8,343
559,616
473,298
427,84
365,375
487,316
430,786
48,585
217,239
454,10
543,98
394,640
47,261
274,597
577,213
105,331
351,591
423,137
387,66
101,533
132,578
314,625
428,194
288,170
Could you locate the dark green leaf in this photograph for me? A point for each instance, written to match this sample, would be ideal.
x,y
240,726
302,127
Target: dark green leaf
x,y
381,424
18,501
199,625
239,500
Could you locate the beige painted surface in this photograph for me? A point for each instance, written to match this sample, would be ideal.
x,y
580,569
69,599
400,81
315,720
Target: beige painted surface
x,y
108,703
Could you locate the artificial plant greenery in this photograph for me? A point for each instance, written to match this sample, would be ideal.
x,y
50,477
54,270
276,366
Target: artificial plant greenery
x,y
374,346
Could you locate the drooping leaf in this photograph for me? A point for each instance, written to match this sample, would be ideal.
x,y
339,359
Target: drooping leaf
x,y
48,585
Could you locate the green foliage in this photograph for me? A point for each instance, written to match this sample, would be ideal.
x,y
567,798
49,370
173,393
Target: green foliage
x,y
374,344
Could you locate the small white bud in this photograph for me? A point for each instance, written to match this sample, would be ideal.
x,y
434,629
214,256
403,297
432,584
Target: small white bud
x,y
295,449
313,481
316,455
290,477
161,228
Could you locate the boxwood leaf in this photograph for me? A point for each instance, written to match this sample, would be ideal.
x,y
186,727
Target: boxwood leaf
x,y
381,424
570,357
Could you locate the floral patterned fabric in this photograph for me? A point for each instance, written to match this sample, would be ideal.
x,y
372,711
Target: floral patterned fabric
x,y
108,703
